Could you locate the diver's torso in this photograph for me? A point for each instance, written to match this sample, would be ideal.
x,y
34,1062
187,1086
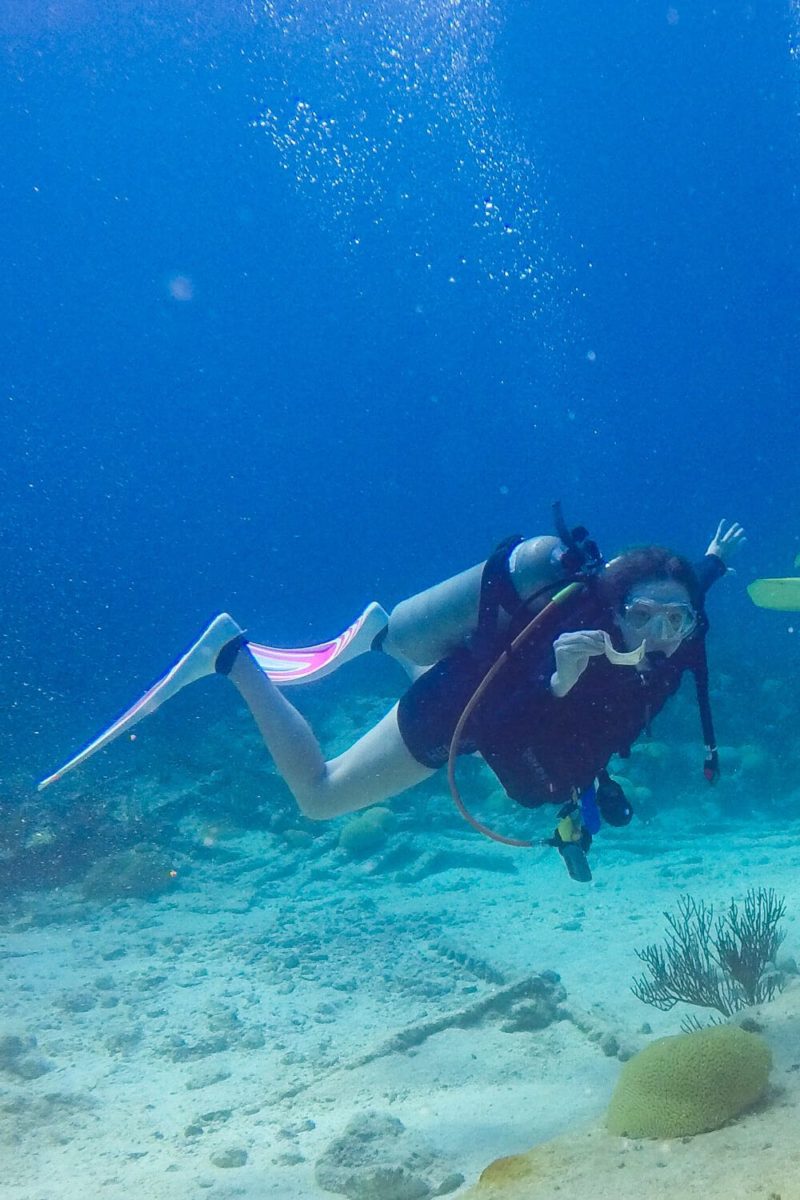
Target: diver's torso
x,y
541,747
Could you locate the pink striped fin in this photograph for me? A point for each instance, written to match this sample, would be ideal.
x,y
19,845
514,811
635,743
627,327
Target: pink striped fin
x,y
314,662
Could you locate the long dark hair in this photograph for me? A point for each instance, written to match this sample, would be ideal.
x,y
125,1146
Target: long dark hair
x,y
634,566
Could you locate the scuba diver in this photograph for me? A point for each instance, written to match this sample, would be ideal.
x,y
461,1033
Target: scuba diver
x,y
545,660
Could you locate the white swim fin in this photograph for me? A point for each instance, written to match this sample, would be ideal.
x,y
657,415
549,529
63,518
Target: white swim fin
x,y
282,666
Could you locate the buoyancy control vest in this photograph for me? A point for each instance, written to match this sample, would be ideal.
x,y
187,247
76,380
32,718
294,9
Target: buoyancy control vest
x,y
543,748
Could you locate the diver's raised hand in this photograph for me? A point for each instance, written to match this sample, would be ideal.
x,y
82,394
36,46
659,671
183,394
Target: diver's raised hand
x,y
573,651
726,541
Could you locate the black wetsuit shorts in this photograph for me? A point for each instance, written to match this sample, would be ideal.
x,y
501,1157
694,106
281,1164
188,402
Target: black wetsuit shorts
x,y
430,710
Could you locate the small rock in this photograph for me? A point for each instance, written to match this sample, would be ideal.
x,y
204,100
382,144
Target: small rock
x,y
232,1156
449,1184
292,1057
529,1016
377,1158
204,1079
124,1040
291,1131
77,1002
290,1159
253,1040
202,1049
215,1116
29,1067
609,1045
11,1047
345,985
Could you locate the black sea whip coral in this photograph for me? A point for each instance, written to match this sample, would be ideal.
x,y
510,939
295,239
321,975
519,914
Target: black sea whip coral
x,y
723,965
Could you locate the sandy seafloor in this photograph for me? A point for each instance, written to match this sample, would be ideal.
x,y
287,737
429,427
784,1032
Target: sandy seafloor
x,y
229,1014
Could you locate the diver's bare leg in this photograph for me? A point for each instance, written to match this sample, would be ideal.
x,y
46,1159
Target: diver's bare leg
x,y
374,768
430,625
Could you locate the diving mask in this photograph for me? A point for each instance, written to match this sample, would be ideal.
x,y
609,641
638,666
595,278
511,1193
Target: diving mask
x,y
660,621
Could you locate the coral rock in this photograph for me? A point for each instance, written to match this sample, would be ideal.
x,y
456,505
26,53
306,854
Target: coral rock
x,y
690,1083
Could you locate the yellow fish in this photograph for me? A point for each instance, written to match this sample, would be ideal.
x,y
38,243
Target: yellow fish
x,y
780,594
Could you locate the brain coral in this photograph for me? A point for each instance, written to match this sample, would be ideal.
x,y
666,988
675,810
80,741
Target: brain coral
x,y
690,1083
367,832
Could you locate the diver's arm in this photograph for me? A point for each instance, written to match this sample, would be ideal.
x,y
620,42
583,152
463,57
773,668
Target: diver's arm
x,y
724,544
708,570
433,623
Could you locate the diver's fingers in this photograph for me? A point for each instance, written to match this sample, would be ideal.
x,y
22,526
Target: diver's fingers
x,y
591,641
734,533
581,641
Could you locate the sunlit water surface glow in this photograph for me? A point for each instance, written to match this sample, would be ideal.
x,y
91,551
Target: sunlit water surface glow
x,y
391,110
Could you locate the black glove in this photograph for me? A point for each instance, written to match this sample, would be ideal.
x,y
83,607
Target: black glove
x,y
615,808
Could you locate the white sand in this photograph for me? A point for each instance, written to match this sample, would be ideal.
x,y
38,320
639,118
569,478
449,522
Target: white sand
x,y
215,957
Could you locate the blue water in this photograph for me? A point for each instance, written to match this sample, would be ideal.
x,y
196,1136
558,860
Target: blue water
x,y
238,375
305,303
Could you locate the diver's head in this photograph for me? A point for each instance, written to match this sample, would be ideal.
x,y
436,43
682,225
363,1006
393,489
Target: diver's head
x,y
655,597
659,613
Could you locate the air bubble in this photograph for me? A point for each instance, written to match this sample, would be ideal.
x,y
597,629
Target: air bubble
x,y
352,90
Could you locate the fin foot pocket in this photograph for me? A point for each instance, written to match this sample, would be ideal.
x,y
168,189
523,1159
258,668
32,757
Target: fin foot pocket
x,y
223,664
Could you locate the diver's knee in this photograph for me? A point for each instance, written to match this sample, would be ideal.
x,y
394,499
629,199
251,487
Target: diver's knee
x,y
313,808
392,642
